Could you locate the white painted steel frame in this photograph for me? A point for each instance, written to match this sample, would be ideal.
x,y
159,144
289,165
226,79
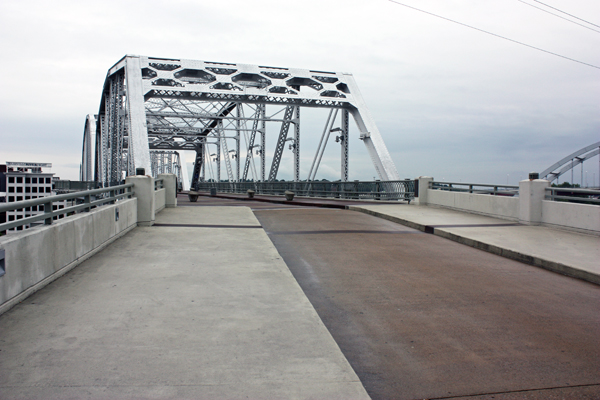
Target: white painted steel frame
x,y
142,95
569,162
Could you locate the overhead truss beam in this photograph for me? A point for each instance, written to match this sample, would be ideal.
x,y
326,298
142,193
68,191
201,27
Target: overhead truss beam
x,y
171,104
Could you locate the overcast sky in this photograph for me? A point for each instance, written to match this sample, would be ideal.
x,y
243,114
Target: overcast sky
x,y
449,101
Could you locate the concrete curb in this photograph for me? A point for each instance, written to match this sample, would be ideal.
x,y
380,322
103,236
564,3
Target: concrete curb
x,y
490,248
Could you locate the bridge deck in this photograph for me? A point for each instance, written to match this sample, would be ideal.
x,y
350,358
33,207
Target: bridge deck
x,y
568,252
202,306
198,306
572,253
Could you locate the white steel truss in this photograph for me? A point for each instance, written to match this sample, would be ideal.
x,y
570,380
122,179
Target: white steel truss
x,y
169,104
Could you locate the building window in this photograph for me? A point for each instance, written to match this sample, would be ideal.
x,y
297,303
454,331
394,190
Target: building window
x,y
19,189
11,198
33,180
48,180
48,189
11,189
19,179
11,217
27,179
11,179
34,189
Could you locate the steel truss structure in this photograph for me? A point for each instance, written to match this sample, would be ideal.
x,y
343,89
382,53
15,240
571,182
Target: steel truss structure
x,y
166,162
219,110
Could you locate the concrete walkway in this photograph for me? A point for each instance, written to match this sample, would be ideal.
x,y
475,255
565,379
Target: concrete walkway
x,y
199,306
561,251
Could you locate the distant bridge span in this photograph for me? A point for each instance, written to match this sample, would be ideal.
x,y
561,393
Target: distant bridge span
x,y
170,104
569,162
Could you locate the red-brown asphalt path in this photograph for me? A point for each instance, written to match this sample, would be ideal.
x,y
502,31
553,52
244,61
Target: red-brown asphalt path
x,y
422,317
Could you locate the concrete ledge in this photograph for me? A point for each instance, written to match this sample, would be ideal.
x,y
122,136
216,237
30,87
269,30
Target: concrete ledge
x,y
521,257
170,186
159,200
37,256
465,228
578,217
40,285
482,204
392,218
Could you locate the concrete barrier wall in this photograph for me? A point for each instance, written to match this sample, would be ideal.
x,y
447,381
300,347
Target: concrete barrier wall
x,y
496,206
35,257
582,217
159,199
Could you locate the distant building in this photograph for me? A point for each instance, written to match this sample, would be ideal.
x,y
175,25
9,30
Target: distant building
x,y
24,181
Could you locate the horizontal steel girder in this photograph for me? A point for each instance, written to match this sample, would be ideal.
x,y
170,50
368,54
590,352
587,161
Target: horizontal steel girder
x,y
152,103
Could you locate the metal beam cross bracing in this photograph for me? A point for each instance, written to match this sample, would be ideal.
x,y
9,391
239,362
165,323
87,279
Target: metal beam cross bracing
x,y
164,104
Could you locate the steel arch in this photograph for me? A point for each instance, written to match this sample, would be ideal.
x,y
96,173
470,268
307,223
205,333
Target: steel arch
x,y
555,171
86,172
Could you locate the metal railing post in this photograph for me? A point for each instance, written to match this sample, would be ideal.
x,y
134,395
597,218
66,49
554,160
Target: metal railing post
x,y
86,200
48,210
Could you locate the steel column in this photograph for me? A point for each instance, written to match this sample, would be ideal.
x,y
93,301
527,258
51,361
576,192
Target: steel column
x,y
297,146
285,126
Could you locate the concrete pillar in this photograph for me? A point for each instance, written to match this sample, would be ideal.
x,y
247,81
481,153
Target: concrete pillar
x,y
170,185
531,194
423,182
144,192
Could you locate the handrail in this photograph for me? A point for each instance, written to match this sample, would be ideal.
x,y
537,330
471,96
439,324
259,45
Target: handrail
x,y
49,214
159,183
377,190
473,188
587,196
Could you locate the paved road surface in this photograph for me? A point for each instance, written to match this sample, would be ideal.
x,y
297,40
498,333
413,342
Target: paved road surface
x,y
419,316
198,306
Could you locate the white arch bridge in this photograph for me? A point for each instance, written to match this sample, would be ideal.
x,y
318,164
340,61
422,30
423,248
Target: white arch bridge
x,y
220,111
571,161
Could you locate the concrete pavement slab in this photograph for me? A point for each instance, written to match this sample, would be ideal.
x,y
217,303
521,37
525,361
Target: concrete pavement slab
x,y
216,215
562,251
171,312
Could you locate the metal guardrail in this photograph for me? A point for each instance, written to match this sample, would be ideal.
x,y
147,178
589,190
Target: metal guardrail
x,y
159,184
476,188
376,190
573,195
84,200
65,186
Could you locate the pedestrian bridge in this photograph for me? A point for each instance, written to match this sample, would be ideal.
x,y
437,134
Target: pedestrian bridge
x,y
173,299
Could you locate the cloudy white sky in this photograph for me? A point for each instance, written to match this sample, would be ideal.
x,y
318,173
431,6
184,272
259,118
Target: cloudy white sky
x,y
450,102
